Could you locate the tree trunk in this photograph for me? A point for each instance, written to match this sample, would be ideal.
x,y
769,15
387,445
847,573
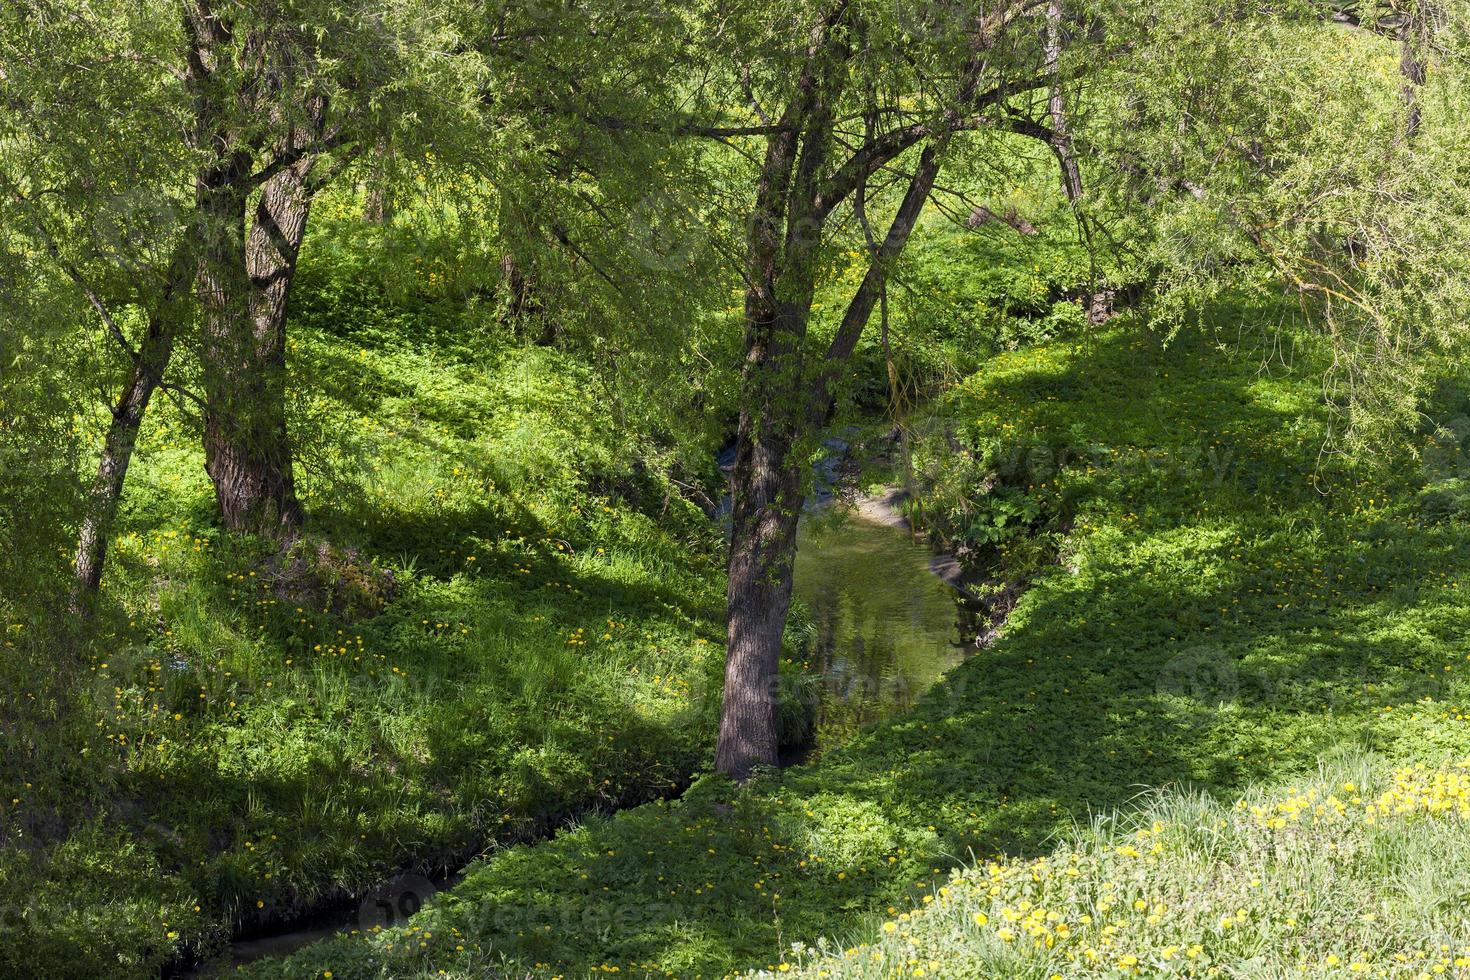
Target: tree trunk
x,y
1099,303
377,206
117,453
1056,106
245,286
783,398
779,404
767,486
768,500
1411,69
767,494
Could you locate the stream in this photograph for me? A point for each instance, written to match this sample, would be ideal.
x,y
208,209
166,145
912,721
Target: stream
x,y
885,624
887,627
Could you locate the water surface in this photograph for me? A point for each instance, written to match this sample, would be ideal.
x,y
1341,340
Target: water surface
x,y
886,627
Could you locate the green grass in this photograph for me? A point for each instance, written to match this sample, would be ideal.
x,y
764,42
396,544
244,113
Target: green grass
x,y
1215,621
1356,872
496,623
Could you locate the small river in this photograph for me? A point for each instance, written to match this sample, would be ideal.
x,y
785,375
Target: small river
x,y
886,627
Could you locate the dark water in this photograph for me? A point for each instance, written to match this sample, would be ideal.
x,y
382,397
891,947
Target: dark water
x,y
886,627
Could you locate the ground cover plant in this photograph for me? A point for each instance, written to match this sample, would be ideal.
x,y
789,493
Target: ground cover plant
x,y
476,646
1358,871
408,410
1209,626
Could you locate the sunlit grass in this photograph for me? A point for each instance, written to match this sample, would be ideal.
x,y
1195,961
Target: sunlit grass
x,y
471,645
1356,870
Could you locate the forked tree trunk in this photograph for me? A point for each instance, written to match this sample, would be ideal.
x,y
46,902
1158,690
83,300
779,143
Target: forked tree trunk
x,y
117,453
245,287
768,483
766,486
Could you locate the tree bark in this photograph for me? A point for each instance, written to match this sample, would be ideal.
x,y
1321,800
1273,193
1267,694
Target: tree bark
x,y
768,500
1056,106
378,203
244,279
783,399
779,405
245,288
1411,69
767,489
1100,302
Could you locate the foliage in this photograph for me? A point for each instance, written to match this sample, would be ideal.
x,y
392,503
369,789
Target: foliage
x,y
472,645
1217,621
1276,884
1272,154
504,619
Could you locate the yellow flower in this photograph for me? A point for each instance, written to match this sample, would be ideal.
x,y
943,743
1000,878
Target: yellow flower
x,y
981,918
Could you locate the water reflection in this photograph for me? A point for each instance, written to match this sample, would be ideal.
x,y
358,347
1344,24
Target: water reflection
x,y
886,628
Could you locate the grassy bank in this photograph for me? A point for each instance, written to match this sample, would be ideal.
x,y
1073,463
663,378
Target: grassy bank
x,y
1358,871
495,622
1226,610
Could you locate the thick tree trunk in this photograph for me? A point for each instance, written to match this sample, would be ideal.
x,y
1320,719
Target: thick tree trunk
x,y
780,404
768,501
117,453
782,397
766,485
522,308
378,203
245,286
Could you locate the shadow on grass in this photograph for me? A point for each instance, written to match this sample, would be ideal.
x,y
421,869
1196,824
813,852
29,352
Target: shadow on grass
x,y
1218,625
314,756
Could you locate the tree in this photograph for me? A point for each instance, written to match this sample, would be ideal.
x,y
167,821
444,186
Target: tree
x,y
266,109
969,71
106,225
254,109
1413,24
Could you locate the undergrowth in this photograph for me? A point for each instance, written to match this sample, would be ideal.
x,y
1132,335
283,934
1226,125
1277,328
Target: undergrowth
x,y
1226,610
